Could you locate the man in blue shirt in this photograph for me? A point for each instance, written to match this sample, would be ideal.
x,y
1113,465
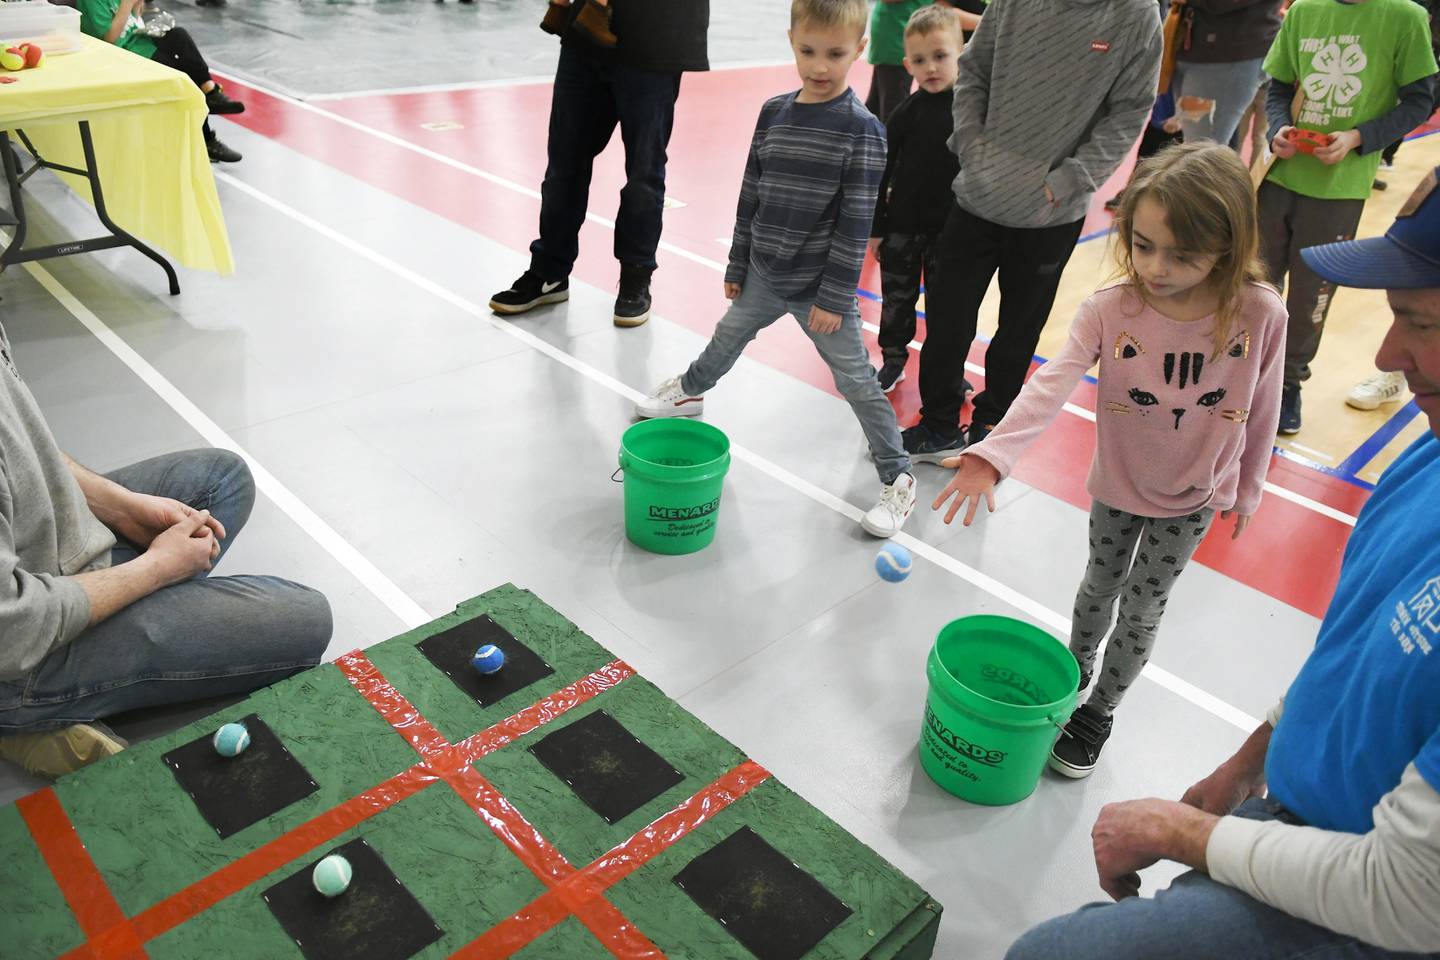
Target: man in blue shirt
x,y
1342,858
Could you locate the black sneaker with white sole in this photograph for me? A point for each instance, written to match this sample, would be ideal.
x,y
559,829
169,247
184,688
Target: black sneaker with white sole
x,y
926,445
890,374
632,306
529,292
1078,749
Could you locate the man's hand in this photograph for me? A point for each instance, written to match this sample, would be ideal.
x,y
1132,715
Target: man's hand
x,y
140,518
1050,195
1242,520
188,547
1225,789
732,290
1339,147
823,321
1281,145
1128,837
974,478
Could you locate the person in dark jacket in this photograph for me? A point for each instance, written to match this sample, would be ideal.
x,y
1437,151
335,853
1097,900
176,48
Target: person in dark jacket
x,y
633,84
1218,64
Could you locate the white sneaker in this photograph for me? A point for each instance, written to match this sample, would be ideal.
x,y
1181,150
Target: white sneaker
x,y
896,501
670,400
1373,391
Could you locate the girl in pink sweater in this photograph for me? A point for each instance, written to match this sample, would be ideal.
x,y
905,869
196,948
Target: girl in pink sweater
x,y
1190,346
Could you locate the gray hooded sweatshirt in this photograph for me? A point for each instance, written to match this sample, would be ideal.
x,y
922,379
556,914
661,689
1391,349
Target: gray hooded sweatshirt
x,y
1051,92
47,533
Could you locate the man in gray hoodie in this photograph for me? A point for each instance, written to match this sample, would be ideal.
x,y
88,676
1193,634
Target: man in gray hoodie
x,y
1052,95
104,602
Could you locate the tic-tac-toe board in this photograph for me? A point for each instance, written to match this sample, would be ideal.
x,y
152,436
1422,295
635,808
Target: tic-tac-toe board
x,y
564,808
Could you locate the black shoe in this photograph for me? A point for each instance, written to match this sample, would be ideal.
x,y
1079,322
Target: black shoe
x,y
209,3
966,388
632,306
1290,410
217,102
529,292
890,374
929,446
1078,748
219,152
1085,678
976,432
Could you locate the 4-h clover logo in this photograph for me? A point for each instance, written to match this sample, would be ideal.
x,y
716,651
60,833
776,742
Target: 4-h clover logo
x,y
1334,80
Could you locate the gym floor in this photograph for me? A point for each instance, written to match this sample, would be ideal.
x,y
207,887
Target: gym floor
x,y
413,451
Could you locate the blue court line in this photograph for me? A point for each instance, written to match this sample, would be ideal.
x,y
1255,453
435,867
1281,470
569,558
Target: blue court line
x,y
1380,439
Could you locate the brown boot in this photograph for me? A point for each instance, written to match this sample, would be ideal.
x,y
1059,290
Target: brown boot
x,y
55,753
594,22
557,17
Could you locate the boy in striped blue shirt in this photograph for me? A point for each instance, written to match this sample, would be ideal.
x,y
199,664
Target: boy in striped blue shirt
x,y
804,217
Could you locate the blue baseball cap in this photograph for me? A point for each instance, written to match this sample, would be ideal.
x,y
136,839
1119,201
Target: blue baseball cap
x,y
1406,258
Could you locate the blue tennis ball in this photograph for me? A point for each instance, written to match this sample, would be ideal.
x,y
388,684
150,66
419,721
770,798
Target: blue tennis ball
x,y
231,740
331,876
488,659
893,562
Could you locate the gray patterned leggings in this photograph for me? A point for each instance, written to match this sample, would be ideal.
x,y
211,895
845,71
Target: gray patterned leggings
x,y
1141,579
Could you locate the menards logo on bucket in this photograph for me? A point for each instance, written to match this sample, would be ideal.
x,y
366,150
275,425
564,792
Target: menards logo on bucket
x,y
973,751
684,513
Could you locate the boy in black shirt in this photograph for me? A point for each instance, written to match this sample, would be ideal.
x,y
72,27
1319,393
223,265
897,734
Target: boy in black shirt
x,y
915,191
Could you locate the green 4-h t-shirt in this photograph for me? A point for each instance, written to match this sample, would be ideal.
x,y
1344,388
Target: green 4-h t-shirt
x,y
887,30
95,19
1350,61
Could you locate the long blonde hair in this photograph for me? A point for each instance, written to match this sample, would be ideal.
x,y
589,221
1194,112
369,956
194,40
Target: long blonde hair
x,y
1209,204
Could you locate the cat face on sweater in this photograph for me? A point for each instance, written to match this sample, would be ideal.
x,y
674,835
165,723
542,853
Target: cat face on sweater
x,y
1178,388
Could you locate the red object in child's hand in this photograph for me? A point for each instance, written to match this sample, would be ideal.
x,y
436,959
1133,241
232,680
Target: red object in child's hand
x,y
1308,141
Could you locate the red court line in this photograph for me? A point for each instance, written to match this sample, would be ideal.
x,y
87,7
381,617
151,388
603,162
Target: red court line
x,y
525,926
502,135
402,715
100,917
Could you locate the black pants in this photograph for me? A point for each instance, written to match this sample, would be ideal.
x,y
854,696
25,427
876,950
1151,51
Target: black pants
x,y
969,252
588,100
177,49
904,259
889,86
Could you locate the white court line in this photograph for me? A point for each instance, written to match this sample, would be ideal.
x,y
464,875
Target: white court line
x,y
410,613
1300,499
990,585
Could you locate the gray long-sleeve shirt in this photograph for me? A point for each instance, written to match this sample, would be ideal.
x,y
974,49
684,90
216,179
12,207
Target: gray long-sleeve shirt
x,y
1051,93
47,533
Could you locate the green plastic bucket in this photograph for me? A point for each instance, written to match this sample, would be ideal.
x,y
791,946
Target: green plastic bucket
x,y
674,470
1000,691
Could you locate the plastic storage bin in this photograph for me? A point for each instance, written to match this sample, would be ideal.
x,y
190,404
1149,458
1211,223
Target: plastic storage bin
x,y
56,29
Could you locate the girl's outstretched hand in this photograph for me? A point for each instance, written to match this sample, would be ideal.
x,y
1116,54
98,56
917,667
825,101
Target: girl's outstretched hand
x,y
973,479
1242,520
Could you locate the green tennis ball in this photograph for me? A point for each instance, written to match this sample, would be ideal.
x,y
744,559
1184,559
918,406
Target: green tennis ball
x,y
12,59
331,876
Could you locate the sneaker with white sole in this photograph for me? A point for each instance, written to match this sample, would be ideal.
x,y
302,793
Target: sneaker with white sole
x,y
896,501
54,753
670,400
1372,392
529,292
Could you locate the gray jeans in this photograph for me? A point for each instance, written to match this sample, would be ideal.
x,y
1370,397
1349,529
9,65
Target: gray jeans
x,y
1230,87
843,351
1139,572
202,638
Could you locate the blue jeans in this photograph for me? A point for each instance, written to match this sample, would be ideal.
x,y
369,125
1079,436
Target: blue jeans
x,y
588,100
1231,86
1194,919
204,637
843,351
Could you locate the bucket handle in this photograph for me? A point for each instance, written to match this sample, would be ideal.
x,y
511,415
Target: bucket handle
x,y
616,475
1058,725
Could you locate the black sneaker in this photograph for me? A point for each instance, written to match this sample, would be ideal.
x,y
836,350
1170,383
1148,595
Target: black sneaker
x,y
929,446
890,374
219,152
1076,752
1290,410
217,102
976,432
529,292
966,388
632,306
209,3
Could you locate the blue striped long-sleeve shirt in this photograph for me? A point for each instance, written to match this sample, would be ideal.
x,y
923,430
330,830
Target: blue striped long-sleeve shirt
x,y
808,198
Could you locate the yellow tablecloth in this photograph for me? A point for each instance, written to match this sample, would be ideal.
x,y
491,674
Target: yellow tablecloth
x,y
145,120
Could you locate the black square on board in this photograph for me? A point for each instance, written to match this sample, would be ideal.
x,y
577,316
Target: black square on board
x,y
777,910
451,652
234,792
605,765
376,918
